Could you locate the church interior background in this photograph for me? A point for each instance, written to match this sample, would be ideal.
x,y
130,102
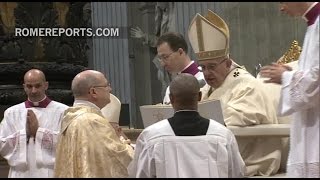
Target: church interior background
x,y
259,34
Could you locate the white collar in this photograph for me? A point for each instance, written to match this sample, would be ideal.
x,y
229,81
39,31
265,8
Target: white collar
x,y
186,66
38,101
185,110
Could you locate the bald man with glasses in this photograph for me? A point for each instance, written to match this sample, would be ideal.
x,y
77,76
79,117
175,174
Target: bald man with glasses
x,y
88,145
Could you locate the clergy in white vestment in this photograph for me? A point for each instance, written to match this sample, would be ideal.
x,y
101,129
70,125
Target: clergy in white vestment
x,y
29,130
300,94
172,51
244,100
186,145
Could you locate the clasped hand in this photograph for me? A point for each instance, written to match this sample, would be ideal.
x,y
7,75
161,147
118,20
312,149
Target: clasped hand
x,y
120,133
32,124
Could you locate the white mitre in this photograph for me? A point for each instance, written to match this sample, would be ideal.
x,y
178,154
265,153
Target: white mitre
x,y
209,36
112,110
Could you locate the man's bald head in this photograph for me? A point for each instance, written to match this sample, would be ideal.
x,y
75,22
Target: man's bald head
x,y
84,81
92,86
34,73
35,85
184,91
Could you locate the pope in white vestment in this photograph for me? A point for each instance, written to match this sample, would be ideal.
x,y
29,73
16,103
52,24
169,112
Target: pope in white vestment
x,y
245,103
243,98
37,157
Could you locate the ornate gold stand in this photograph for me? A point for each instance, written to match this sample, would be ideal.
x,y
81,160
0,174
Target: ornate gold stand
x,y
292,54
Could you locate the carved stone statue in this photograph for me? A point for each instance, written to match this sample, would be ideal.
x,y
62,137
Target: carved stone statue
x,y
62,9
87,13
164,22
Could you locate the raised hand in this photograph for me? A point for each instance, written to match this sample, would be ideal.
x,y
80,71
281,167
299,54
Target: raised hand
x,y
274,72
137,33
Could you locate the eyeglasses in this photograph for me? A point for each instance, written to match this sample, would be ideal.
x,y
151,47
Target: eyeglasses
x,y
104,86
210,67
165,57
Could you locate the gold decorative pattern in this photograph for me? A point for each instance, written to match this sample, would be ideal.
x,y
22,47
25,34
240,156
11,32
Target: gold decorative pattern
x,y
292,54
210,54
77,150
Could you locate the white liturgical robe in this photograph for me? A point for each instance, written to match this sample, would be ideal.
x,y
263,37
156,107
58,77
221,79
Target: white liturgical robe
x,y
36,158
245,102
160,153
300,97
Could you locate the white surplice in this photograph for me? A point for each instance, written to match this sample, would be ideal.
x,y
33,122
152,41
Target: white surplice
x,y
35,159
300,97
159,153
